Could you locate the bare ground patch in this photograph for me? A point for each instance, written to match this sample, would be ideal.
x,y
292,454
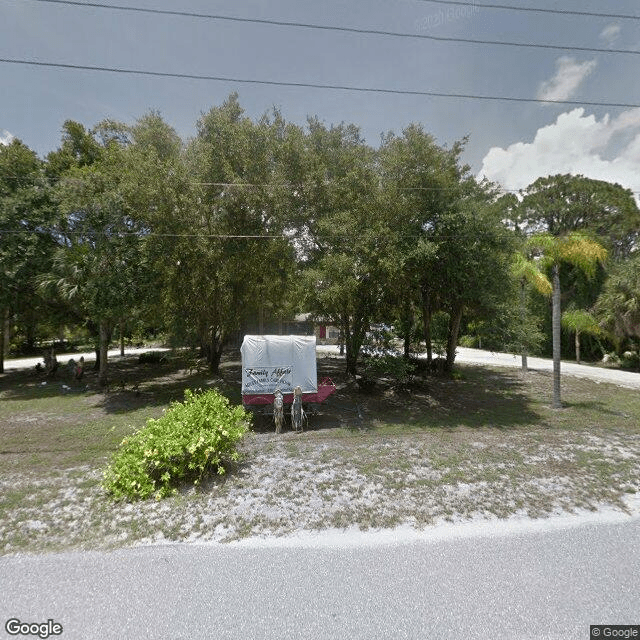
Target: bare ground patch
x,y
487,445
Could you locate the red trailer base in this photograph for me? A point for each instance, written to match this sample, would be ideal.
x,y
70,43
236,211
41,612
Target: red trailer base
x,y
325,389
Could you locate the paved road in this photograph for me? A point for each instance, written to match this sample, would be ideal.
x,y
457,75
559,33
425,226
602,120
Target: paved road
x,y
63,358
479,356
599,374
531,584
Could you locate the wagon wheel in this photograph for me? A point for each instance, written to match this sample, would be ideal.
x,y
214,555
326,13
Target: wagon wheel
x,y
297,412
278,410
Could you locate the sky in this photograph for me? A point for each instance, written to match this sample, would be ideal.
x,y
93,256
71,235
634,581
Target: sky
x,y
510,142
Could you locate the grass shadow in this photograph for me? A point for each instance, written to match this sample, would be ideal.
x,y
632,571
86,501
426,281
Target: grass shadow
x,y
133,385
478,398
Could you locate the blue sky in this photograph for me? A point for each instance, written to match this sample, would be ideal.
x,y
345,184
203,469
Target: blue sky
x,y
512,143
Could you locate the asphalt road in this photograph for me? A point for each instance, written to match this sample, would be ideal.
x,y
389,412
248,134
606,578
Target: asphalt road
x,y
549,584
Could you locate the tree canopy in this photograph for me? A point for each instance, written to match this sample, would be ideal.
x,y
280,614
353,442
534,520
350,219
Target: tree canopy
x,y
253,220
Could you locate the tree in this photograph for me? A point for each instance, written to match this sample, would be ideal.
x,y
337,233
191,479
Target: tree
x,y
574,249
99,267
152,134
472,263
528,274
25,246
234,260
580,321
347,239
563,204
420,182
618,306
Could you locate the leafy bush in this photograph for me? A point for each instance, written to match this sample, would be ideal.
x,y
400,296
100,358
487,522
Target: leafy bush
x,y
192,438
392,366
630,360
151,357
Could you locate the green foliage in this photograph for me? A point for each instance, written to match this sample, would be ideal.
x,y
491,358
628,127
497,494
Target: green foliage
x,y
528,272
389,365
580,321
575,248
562,204
151,357
618,306
234,263
630,360
192,438
25,247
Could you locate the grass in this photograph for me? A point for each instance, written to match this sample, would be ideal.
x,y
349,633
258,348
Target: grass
x,y
487,444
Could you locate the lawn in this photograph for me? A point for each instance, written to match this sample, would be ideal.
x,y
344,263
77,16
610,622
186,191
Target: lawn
x,y
486,444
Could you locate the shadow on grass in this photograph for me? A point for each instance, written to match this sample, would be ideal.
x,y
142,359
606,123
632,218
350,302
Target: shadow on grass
x,y
480,398
594,405
133,385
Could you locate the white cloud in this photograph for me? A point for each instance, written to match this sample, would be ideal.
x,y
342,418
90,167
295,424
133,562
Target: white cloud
x,y
575,143
610,33
568,77
5,137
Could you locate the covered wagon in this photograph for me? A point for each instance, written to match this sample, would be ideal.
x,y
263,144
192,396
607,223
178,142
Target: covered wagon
x,y
278,369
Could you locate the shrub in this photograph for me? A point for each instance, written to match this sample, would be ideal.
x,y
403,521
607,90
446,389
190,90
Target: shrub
x,y
192,438
392,366
151,357
630,360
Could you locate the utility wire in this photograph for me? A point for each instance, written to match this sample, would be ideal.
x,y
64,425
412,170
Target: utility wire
x,y
507,7
217,236
312,85
294,187
305,25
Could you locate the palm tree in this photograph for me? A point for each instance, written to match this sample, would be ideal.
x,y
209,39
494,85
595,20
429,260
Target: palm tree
x,y
526,270
580,321
575,249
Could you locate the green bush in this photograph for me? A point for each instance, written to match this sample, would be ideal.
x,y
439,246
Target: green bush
x,y
151,357
391,366
192,438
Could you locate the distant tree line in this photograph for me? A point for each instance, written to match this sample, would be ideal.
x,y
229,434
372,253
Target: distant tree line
x,y
127,226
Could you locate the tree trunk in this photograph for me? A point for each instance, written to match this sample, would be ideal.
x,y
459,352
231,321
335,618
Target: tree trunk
x,y
407,326
452,338
94,332
122,339
105,336
523,312
3,313
213,352
351,357
6,333
214,359
426,323
555,324
577,347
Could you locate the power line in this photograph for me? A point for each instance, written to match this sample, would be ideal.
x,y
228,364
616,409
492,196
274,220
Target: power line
x,y
305,25
566,12
282,236
311,85
300,186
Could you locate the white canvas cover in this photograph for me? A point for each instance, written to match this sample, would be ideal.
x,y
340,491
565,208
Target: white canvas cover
x,y
283,362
